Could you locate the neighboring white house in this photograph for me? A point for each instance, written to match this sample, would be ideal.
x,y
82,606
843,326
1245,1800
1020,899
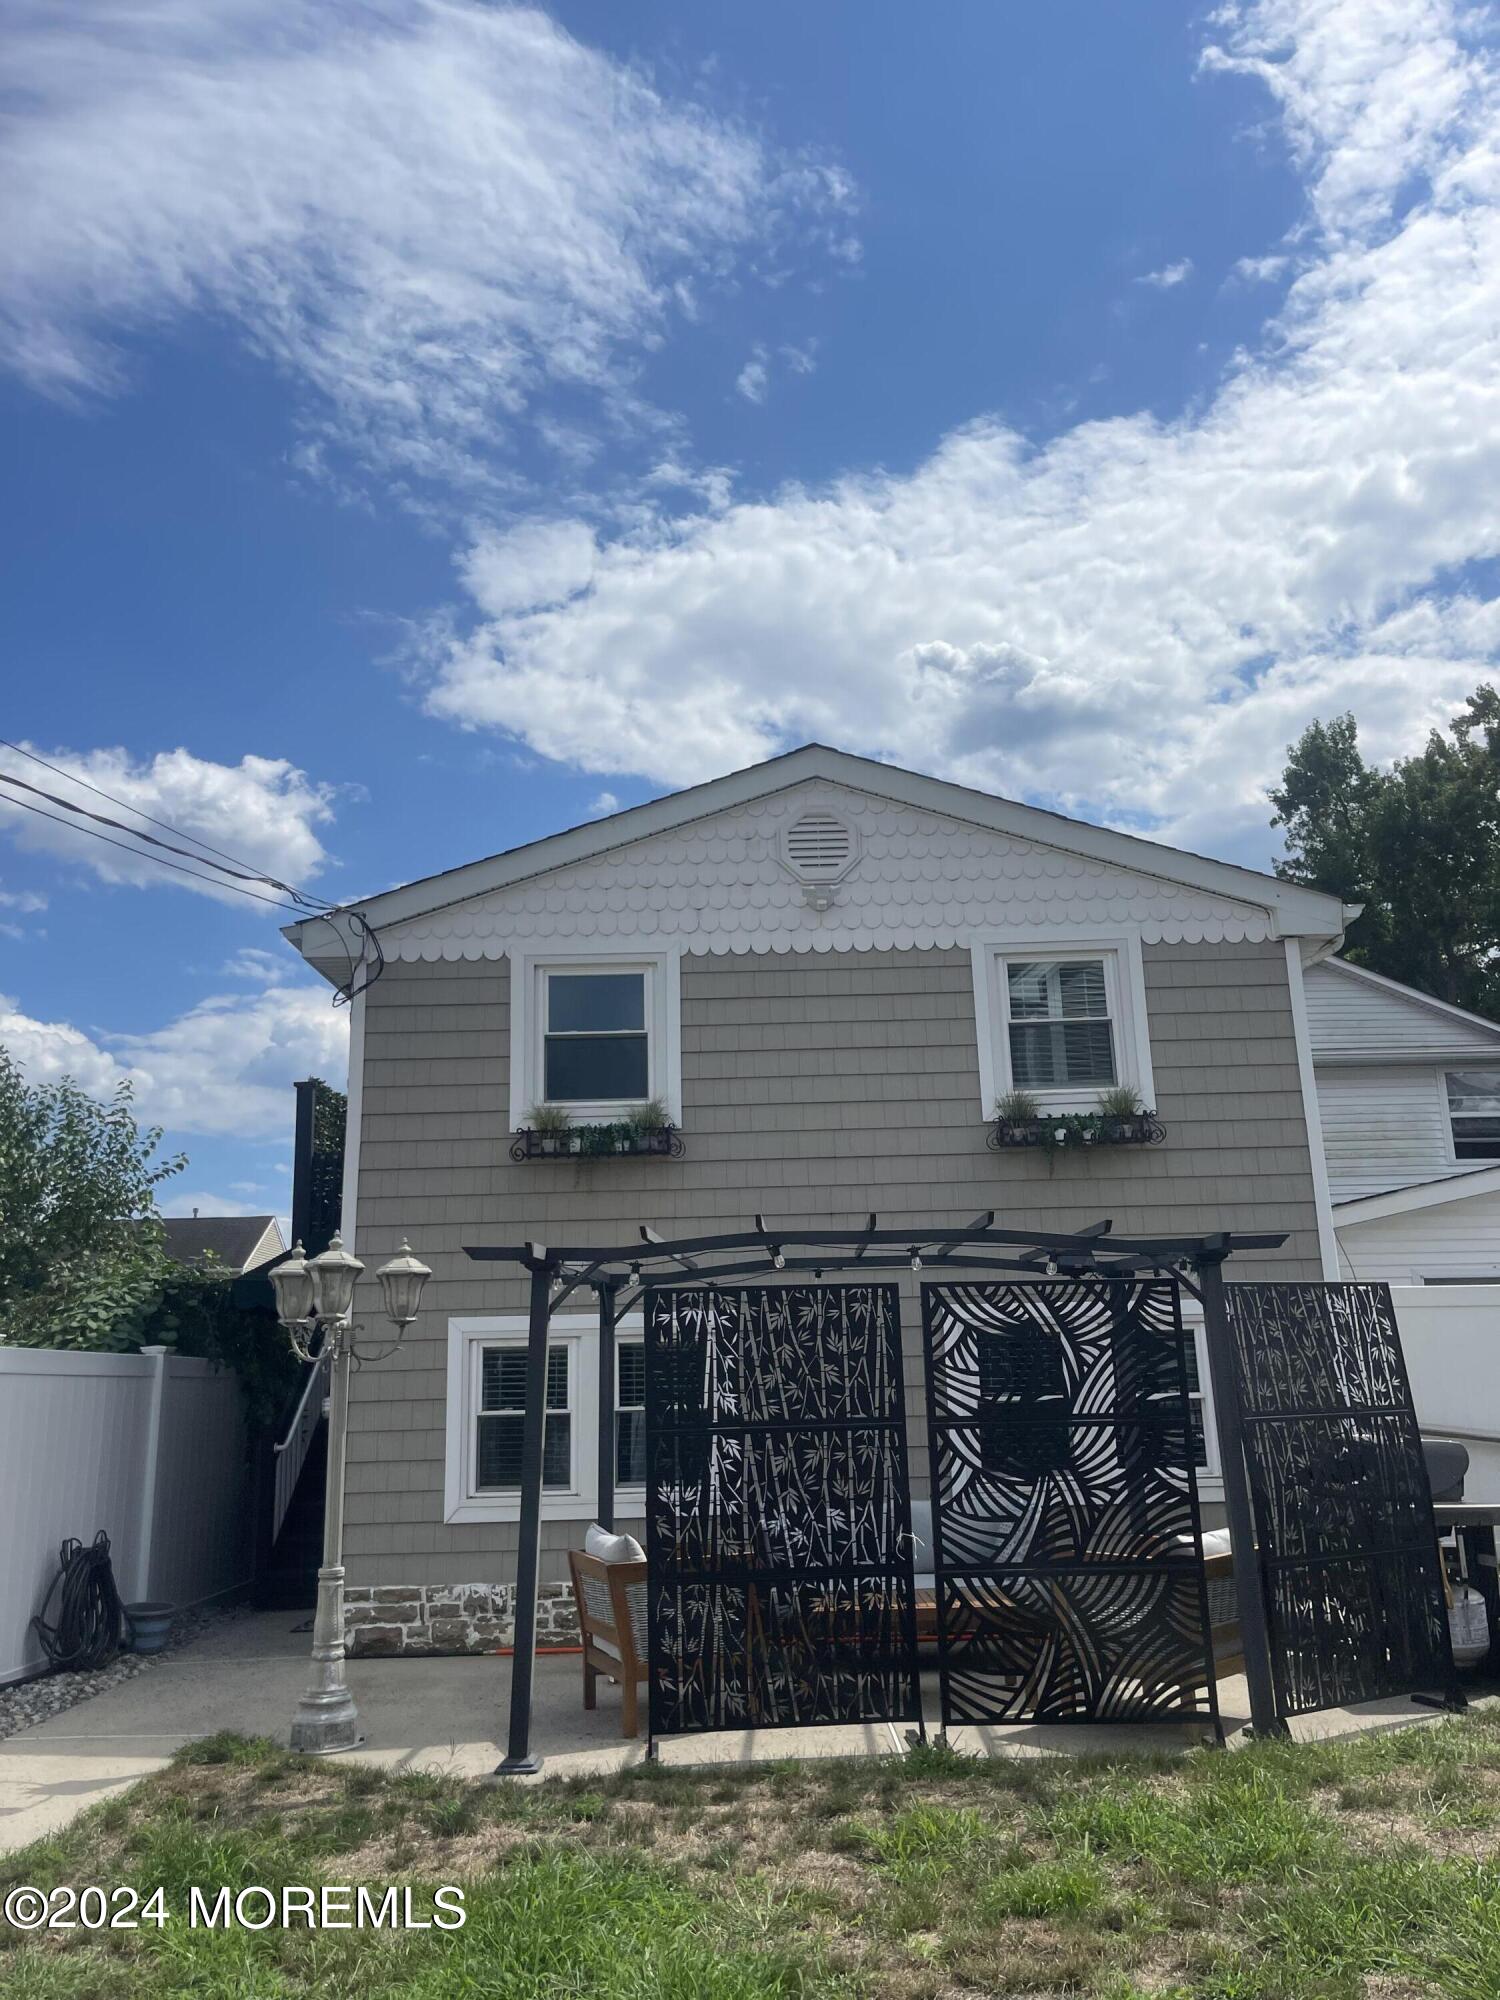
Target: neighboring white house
x,y
1409,1099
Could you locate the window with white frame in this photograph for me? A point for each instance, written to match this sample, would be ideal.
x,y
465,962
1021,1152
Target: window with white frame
x,y
630,1414
1058,1023
500,1416
594,1036
1061,1018
486,1417
1474,1112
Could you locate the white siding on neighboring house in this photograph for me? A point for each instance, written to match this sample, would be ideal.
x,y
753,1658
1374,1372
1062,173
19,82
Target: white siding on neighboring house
x,y
1445,1239
1385,1125
1380,1054
1352,1016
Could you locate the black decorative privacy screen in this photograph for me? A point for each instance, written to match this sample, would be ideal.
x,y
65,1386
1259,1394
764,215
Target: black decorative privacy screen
x,y
1343,1509
779,1511
1065,1510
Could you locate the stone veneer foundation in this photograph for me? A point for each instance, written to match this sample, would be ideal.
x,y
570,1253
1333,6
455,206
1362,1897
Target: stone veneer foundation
x,y
388,1619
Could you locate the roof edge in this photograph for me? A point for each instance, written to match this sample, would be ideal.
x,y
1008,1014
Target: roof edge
x,y
1299,912
1398,986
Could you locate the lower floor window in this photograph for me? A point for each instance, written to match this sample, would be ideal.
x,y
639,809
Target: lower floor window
x,y
630,1414
501,1420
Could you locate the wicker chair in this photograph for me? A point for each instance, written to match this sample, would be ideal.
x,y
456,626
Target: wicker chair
x,y
611,1600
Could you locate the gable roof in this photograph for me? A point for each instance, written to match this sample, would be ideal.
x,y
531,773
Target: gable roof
x,y
1297,911
232,1239
1461,1186
1355,1015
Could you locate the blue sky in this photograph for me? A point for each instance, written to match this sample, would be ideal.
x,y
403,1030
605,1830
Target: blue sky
x,y
428,423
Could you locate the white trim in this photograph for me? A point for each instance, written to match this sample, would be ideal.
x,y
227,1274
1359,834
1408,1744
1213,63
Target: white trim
x,y
468,1334
354,1105
1296,911
1211,1477
1328,1245
663,1025
1125,972
631,1332
1422,1194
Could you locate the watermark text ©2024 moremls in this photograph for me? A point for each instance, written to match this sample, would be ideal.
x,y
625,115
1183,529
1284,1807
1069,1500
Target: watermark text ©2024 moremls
x,y
322,1906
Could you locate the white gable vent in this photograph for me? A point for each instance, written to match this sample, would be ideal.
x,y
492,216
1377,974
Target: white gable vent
x,y
819,848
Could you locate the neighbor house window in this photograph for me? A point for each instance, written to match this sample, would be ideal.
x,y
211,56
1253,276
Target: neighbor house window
x,y
499,1420
596,1047
1474,1113
630,1414
1061,1033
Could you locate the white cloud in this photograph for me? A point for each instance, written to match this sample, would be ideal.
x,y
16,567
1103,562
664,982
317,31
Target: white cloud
x,y
1137,616
754,378
262,810
224,1068
1169,276
266,968
24,900
1261,270
605,802
199,1203
424,212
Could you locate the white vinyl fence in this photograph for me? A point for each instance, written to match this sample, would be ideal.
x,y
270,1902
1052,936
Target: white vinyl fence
x,y
1451,1338
150,1447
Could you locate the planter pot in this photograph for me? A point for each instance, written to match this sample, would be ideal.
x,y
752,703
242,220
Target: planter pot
x,y
150,1625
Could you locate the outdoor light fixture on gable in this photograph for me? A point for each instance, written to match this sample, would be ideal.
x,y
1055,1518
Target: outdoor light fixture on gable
x,y
315,1304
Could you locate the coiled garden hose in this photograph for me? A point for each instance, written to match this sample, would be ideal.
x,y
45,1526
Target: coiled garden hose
x,y
90,1615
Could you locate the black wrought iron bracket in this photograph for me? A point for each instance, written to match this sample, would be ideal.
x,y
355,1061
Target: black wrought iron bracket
x,y
597,1142
1079,1133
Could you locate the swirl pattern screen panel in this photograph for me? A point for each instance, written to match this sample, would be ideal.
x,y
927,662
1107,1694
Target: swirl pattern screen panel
x,y
1065,1504
1339,1487
778,1509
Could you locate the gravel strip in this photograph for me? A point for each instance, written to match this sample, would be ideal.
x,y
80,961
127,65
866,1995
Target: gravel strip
x,y
34,1701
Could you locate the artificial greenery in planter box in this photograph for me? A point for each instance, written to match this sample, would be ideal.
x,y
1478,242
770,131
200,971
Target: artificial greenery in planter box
x,y
1119,1119
550,1134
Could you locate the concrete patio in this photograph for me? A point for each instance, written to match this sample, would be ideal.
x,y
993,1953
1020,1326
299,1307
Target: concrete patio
x,y
448,1714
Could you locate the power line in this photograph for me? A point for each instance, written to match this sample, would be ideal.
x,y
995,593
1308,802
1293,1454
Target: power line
x,y
72,777
211,881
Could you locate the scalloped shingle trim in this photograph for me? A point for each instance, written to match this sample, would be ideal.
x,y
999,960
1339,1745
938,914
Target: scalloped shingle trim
x,y
920,882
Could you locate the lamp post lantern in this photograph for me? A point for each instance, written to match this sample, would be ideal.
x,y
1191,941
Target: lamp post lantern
x,y
315,1296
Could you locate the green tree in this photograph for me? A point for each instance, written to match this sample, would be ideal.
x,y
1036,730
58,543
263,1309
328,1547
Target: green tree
x,y
81,1257
1418,845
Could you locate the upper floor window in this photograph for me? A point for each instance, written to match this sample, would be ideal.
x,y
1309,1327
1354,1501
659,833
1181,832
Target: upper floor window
x,y
1058,1013
594,1035
596,1048
1061,1017
1474,1113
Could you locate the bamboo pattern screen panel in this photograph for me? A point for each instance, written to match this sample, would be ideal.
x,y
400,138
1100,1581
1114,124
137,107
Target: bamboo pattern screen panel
x,y
1065,1504
1343,1507
778,1509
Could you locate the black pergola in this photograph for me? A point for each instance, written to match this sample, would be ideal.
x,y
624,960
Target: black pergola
x,y
619,1275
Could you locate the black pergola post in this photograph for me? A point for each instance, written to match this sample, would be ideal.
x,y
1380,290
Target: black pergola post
x,y
1265,1717
518,1760
606,1292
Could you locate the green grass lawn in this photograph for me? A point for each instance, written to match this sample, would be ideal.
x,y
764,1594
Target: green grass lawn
x,y
1368,1868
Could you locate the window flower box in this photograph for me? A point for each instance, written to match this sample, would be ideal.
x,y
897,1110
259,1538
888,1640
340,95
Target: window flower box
x,y
597,1142
1077,1131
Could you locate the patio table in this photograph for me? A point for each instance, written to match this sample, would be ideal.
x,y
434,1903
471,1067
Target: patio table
x,y
1475,1522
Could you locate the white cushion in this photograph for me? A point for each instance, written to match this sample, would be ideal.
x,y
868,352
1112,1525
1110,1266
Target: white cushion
x,y
1214,1542
608,1548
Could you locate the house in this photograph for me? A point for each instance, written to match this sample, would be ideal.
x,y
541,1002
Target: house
x,y
827,970
1409,1100
234,1242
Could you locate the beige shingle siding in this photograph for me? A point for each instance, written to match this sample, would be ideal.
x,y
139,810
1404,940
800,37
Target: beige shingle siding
x,y
813,1087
